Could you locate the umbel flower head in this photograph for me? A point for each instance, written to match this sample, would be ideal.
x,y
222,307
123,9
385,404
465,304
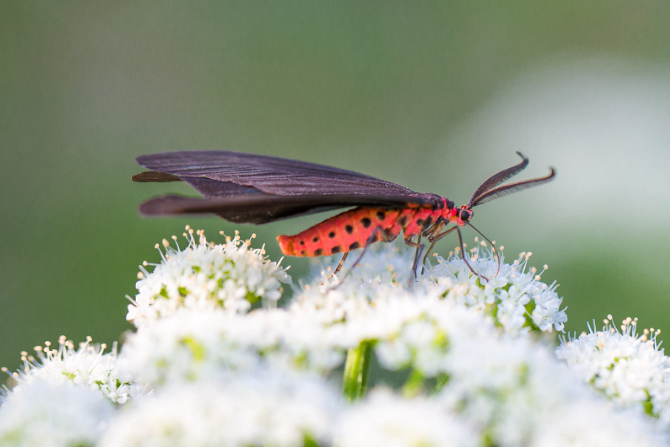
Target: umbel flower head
x,y
515,297
88,366
223,373
206,275
51,415
630,369
385,419
263,408
409,328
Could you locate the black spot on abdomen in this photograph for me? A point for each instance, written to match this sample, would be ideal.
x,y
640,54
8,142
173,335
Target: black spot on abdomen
x,y
381,215
349,229
331,234
336,249
318,252
366,222
354,246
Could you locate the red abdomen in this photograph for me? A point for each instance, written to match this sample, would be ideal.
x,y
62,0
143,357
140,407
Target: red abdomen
x,y
345,232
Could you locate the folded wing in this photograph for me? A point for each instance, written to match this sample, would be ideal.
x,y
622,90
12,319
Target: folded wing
x,y
248,188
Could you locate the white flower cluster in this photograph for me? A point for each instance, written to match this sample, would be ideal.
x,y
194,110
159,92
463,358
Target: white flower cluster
x,y
88,366
206,275
259,409
50,415
326,318
385,419
203,368
514,296
516,393
630,369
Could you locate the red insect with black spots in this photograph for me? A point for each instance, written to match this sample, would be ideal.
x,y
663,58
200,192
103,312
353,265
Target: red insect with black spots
x,y
258,189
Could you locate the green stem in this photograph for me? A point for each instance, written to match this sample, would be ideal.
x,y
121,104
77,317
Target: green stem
x,y
442,379
414,384
356,371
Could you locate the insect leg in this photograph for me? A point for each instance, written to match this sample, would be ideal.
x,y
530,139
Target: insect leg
x,y
370,240
433,240
419,249
460,241
339,266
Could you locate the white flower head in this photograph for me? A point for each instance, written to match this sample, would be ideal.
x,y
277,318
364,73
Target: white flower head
x,y
190,345
87,366
630,369
206,275
193,344
514,296
265,408
385,419
515,392
383,263
49,415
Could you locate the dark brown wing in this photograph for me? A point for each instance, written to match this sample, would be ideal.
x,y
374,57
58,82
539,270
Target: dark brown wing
x,y
272,175
261,208
248,188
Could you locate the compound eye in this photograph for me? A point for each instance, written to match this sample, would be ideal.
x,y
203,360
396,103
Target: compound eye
x,y
465,215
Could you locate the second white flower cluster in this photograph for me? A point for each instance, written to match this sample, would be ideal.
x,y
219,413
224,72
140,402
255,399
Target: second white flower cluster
x,y
215,361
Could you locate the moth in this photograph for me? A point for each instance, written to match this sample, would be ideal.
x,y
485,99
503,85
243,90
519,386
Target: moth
x,y
259,189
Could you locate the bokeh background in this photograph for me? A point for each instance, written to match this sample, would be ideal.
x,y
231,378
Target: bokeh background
x,y
432,95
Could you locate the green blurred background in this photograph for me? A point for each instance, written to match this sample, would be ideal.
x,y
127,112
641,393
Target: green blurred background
x,y
432,95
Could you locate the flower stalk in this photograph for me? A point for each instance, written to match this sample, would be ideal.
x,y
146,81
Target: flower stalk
x,y
356,371
414,384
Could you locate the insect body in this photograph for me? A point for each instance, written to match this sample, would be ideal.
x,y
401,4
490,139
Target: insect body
x,y
247,188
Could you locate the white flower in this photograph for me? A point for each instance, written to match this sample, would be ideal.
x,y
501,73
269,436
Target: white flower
x,y
88,366
205,276
630,369
189,345
589,423
265,408
516,392
389,421
193,344
515,296
409,327
382,263
48,415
